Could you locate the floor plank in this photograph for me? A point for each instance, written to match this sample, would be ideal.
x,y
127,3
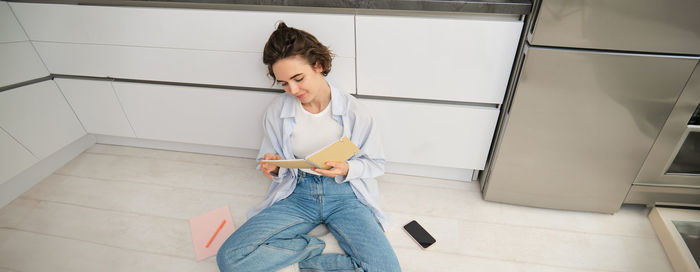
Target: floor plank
x,y
146,199
26,251
209,177
151,234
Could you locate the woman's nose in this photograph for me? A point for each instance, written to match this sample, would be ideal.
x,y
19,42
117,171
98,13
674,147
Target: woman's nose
x,y
292,88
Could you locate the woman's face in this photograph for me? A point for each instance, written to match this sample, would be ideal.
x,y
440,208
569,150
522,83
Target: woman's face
x,y
299,78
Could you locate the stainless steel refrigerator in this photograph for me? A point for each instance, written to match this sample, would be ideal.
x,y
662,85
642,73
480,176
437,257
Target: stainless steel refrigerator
x,y
595,84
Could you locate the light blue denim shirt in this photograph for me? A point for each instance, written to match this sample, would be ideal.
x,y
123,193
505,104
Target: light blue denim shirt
x,y
358,125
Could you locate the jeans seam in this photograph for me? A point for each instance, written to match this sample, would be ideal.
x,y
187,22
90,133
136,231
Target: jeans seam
x,y
347,241
320,199
282,229
291,250
335,270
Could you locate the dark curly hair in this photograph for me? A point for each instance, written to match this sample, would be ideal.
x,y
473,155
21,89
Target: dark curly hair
x,y
288,42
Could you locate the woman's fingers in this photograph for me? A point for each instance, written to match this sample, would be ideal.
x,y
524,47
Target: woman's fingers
x,y
267,174
266,168
337,169
270,156
323,172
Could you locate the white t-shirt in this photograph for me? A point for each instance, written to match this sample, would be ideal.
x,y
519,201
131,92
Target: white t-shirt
x,y
313,131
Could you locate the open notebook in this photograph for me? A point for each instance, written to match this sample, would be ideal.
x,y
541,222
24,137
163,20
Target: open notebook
x,y
340,150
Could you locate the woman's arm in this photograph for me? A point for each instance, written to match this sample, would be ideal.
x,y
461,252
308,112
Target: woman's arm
x,y
369,162
270,148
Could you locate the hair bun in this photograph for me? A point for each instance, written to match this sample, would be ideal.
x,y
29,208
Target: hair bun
x,y
281,25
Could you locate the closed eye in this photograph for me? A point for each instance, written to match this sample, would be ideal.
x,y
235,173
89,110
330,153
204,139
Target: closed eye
x,y
284,83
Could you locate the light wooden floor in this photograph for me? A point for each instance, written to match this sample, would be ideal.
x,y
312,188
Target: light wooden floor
x,y
119,208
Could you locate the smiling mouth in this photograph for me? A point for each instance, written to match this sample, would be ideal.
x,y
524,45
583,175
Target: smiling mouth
x,y
301,96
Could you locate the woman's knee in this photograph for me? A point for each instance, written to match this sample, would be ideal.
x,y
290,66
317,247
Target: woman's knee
x,y
230,259
231,253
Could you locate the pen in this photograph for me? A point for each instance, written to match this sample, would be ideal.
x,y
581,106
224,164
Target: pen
x,y
215,233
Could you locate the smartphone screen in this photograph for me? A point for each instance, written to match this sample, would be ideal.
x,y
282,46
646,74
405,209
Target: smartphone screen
x,y
419,234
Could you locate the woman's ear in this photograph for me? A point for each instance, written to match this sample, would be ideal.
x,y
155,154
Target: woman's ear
x,y
318,67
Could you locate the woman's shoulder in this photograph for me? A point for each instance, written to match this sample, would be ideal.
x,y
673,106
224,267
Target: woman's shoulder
x,y
275,107
357,108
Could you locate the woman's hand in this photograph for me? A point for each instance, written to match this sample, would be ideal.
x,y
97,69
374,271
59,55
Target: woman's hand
x,y
338,169
267,168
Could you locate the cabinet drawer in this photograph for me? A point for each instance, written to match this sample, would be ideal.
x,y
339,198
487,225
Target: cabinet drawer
x,y
15,158
97,106
174,65
460,59
10,31
222,30
39,118
434,134
220,117
19,62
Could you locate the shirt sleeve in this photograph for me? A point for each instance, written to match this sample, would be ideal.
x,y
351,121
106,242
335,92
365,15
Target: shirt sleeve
x,y
369,162
270,143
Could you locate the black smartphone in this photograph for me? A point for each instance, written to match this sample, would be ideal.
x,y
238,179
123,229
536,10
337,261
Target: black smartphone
x,y
419,234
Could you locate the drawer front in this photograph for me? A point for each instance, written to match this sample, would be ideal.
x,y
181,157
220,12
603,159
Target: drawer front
x,y
19,62
175,65
671,26
10,30
222,30
434,134
207,116
97,106
459,59
39,118
15,158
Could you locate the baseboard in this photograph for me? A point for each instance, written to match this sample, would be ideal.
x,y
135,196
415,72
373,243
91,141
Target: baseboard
x,y
177,146
31,176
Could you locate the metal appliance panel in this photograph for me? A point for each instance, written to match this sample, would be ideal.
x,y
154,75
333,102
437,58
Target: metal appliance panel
x,y
663,195
580,126
676,127
668,26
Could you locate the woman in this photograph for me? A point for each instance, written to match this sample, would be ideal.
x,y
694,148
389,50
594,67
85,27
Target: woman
x,y
308,116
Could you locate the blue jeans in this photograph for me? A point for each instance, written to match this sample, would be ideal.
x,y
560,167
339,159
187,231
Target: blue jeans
x,y
276,237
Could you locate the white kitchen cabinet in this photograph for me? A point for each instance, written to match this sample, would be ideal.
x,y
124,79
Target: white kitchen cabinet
x,y
450,58
19,62
10,30
221,117
219,30
460,59
242,69
179,45
444,135
97,106
39,118
14,158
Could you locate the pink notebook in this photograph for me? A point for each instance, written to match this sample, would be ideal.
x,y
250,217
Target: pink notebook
x,y
204,227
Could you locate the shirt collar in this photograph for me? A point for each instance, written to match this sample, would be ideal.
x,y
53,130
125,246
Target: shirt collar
x,y
338,103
